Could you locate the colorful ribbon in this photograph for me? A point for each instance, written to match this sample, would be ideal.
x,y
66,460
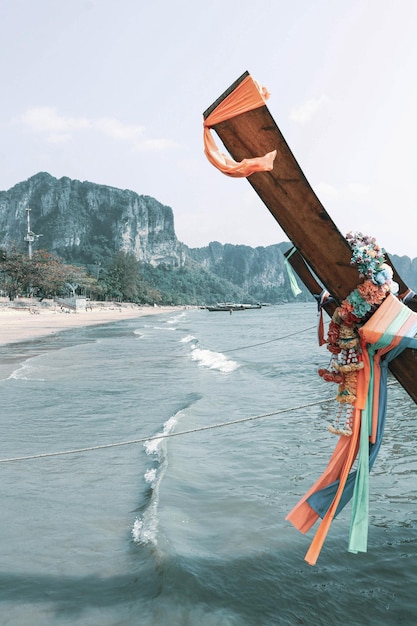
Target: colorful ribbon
x,y
389,331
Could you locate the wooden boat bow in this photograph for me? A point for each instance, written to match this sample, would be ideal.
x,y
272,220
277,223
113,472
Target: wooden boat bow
x,y
291,200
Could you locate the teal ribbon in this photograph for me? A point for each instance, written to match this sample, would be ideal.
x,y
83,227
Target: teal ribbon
x,y
291,275
358,538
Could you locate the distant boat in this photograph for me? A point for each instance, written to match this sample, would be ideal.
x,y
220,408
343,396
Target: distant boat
x,y
229,306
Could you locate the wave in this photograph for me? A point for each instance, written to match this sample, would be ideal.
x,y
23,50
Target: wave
x,y
176,318
145,527
209,358
168,328
26,371
213,360
187,339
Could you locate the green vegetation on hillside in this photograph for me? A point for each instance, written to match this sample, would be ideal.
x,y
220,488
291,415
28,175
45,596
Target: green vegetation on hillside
x,y
122,278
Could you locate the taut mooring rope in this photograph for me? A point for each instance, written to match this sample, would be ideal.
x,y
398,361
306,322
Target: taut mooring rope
x,y
164,435
169,435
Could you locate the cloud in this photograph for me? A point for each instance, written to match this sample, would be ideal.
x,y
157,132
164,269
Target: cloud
x,y
115,129
59,128
325,190
305,112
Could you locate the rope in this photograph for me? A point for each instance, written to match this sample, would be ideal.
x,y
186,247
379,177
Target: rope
x,y
252,345
170,435
164,435
186,432
262,343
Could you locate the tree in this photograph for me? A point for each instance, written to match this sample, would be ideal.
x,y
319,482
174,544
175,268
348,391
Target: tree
x,y
123,277
14,270
43,274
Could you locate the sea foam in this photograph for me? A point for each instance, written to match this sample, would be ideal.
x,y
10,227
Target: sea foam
x,y
213,360
145,528
187,339
26,371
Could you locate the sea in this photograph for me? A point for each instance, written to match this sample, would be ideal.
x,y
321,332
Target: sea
x,y
147,467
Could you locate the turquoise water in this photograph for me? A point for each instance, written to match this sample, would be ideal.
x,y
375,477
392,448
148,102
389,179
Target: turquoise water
x,y
190,530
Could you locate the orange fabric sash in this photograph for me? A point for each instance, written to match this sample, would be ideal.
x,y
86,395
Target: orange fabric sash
x,y
371,332
247,96
303,516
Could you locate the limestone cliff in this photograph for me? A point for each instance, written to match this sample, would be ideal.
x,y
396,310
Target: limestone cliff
x,y
259,271
84,221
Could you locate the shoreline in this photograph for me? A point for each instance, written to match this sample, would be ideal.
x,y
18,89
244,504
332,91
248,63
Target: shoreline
x,y
26,322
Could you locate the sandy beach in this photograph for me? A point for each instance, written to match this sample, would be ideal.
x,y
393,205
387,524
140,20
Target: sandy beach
x,y
23,319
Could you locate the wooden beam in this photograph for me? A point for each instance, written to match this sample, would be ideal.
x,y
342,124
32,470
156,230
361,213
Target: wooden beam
x,y
291,200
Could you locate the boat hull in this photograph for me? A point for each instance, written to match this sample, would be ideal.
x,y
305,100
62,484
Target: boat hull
x,y
233,307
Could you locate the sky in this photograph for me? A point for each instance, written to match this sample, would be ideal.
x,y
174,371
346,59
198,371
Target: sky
x,y
113,91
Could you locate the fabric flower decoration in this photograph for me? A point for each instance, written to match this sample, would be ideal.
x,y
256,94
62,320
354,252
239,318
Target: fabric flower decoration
x,y
360,306
343,339
372,293
383,275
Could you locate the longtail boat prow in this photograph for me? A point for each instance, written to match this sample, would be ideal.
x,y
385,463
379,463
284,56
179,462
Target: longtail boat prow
x,y
373,312
250,133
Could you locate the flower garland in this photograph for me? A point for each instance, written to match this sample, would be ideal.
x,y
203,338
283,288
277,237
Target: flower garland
x,y
343,338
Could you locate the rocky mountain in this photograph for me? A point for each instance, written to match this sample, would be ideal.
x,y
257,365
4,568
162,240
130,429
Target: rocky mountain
x,y
88,223
258,271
